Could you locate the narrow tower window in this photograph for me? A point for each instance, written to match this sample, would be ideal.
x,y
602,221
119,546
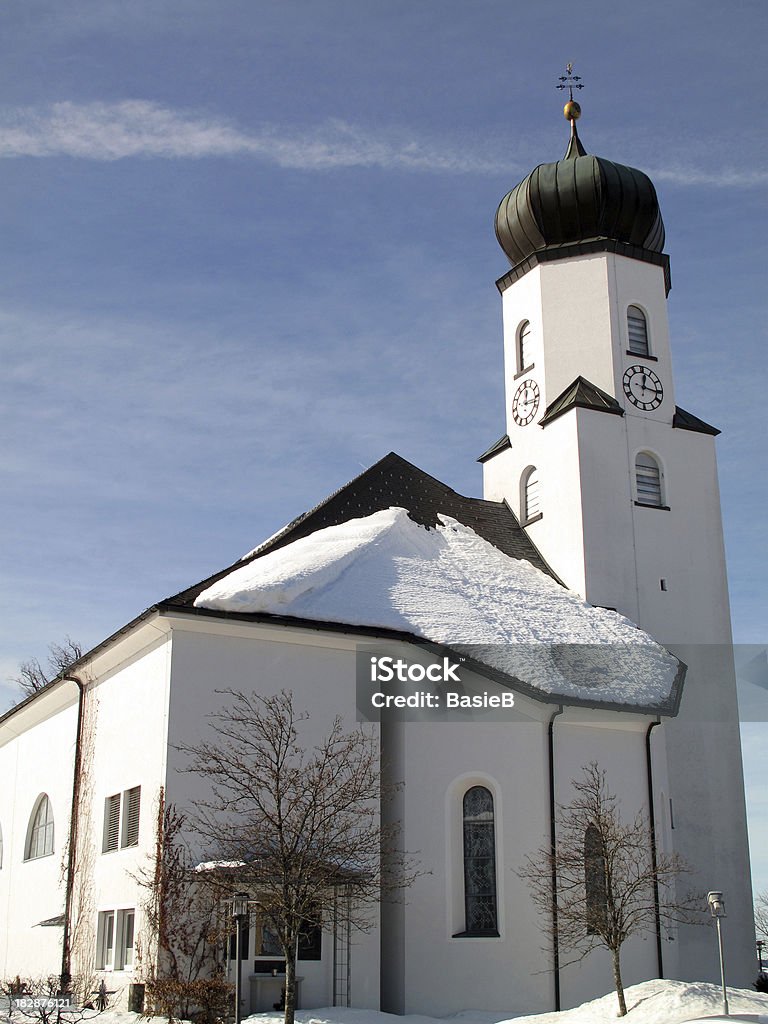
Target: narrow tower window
x,y
594,880
530,498
524,345
637,328
648,480
479,863
40,833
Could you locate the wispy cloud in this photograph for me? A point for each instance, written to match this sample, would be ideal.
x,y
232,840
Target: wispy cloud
x,y
723,177
139,128
142,128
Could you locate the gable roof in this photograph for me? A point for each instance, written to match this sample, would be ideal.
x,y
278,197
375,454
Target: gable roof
x,y
394,482
447,587
687,421
498,446
581,394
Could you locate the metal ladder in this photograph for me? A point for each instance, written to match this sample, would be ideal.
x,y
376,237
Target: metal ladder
x,y
341,945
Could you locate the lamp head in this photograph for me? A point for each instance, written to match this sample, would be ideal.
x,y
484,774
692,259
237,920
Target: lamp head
x,y
716,904
240,904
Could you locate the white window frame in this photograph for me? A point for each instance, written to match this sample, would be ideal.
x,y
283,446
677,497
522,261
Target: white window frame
x,y
116,939
105,941
125,939
526,516
34,828
456,919
523,342
646,348
641,495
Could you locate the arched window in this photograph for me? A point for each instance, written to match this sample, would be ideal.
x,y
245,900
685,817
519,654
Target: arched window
x,y
530,495
40,832
648,480
524,345
637,329
594,880
479,863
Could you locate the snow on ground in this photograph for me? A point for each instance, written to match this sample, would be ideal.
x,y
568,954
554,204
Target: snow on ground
x,y
450,586
651,1002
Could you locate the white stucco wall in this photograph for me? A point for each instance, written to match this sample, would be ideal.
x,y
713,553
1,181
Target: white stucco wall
x,y
441,761
125,740
210,654
36,756
616,553
617,744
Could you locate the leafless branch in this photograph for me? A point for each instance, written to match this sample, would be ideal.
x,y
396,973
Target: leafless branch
x,y
302,822
611,884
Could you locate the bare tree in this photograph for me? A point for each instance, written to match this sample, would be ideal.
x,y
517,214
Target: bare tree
x,y
610,882
33,676
183,922
40,1001
761,913
301,824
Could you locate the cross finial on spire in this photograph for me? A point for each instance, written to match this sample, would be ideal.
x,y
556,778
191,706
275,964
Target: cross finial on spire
x,y
572,110
569,81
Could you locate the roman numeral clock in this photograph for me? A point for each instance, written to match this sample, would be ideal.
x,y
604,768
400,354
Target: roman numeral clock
x,y
643,387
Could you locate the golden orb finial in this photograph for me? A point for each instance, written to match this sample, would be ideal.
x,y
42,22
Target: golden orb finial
x,y
569,81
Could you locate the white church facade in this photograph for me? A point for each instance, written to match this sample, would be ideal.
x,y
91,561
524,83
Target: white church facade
x,y
599,530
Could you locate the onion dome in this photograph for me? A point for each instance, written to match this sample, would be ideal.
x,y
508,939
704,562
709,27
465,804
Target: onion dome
x,y
579,198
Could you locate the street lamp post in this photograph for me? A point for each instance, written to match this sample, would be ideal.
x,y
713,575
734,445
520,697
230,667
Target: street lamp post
x,y
759,944
716,905
239,910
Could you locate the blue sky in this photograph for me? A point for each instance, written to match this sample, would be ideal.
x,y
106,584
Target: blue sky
x,y
247,249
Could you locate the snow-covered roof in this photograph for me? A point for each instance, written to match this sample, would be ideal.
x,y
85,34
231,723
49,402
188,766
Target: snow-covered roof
x,y
449,586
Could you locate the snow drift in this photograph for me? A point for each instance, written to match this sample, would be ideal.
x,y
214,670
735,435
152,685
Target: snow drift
x,y
449,586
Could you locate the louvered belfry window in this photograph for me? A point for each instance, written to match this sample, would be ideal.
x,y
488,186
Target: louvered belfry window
x,y
524,354
111,823
637,328
131,807
531,495
648,480
479,863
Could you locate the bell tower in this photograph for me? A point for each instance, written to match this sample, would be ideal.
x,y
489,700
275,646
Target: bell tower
x,y
613,481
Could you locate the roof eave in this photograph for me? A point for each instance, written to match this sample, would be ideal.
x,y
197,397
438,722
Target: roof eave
x,y
667,708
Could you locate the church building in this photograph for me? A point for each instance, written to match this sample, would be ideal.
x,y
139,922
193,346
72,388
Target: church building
x,y
588,582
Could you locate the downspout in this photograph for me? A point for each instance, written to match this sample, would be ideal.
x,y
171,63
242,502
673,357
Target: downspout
x,y
66,976
654,862
553,849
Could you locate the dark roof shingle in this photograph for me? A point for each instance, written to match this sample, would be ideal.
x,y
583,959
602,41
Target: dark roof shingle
x,y
394,482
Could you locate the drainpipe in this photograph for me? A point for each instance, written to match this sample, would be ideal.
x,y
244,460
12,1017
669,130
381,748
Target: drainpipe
x,y
654,862
553,848
66,976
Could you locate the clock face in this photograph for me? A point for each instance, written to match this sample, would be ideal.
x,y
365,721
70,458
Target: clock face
x,y
525,403
643,388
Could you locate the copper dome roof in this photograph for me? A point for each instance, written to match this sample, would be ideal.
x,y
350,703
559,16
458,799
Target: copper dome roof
x,y
578,198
